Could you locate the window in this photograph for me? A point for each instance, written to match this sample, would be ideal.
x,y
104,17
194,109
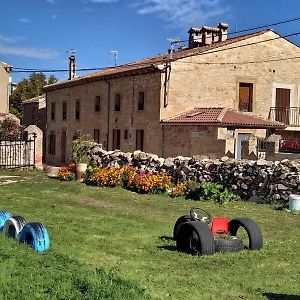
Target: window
x,y
97,103
125,134
245,96
77,110
52,142
64,110
52,110
118,102
140,140
97,136
33,115
141,103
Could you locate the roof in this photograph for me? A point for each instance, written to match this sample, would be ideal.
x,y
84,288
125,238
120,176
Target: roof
x,y
35,99
150,64
222,117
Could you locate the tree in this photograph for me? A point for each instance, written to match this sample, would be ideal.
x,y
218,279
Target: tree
x,y
28,88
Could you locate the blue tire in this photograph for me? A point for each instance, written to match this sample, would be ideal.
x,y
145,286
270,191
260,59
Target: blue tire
x,y
36,235
4,215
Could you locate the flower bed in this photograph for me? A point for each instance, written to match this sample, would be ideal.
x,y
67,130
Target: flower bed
x,y
67,173
290,145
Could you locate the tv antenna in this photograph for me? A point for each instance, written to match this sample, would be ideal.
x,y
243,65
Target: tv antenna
x,y
114,54
173,41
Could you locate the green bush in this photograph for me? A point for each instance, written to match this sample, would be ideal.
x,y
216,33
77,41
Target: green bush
x,y
210,191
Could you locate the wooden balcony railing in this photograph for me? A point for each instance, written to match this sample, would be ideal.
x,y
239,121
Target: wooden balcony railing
x,y
287,115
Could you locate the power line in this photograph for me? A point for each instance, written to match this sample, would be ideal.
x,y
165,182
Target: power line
x,y
254,28
208,51
268,25
241,63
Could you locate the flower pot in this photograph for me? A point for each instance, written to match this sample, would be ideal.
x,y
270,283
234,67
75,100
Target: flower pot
x,y
80,170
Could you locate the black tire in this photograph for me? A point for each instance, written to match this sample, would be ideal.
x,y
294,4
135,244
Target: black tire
x,y
234,244
254,233
178,223
196,238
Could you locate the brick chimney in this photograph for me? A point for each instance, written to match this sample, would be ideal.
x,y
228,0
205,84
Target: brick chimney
x,y
207,35
223,27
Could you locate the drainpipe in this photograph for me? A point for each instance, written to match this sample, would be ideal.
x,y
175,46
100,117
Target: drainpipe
x,y
108,114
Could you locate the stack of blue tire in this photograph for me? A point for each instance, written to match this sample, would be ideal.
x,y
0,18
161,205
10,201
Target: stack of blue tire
x,y
34,234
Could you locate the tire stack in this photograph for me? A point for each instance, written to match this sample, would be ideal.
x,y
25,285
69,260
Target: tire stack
x,y
34,234
195,236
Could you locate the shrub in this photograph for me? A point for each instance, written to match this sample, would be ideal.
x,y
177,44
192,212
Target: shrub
x,y
10,128
80,148
109,177
146,183
67,173
211,191
178,190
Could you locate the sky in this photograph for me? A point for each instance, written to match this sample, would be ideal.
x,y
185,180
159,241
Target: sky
x,y
39,34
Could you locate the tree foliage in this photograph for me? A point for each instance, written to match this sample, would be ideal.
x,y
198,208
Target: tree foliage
x,y
28,88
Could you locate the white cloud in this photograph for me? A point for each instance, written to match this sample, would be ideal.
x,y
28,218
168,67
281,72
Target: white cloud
x,y
11,39
28,52
24,20
53,17
183,13
50,1
179,13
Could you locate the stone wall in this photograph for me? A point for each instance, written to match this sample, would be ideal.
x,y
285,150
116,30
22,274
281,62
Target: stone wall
x,y
260,181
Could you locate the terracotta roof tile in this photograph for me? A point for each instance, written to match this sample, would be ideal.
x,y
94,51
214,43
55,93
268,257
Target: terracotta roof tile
x,y
149,64
222,117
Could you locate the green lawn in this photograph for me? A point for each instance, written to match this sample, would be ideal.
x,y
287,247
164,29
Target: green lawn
x,y
115,244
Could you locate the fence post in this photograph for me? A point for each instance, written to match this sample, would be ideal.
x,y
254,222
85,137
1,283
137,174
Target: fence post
x,y
36,134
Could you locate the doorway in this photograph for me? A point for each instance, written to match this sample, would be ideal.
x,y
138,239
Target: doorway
x,y
116,139
63,146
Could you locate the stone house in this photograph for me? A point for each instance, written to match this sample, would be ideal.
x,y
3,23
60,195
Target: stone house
x,y
204,99
4,87
34,112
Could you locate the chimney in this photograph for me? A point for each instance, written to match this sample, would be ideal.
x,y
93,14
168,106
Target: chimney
x,y
223,27
72,64
207,35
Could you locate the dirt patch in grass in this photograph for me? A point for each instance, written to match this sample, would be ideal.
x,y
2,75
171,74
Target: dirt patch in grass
x,y
92,202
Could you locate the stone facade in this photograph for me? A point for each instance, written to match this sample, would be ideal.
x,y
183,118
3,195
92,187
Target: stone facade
x,y
4,87
210,79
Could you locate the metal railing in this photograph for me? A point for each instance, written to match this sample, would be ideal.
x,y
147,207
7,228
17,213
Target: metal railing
x,y
287,115
17,152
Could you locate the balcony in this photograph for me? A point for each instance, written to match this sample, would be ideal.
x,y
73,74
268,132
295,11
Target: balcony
x,y
287,115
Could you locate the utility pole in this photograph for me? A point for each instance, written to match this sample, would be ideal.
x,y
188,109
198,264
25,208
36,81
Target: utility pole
x,y
114,54
168,72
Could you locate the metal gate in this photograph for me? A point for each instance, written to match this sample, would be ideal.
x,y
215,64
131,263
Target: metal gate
x,y
17,152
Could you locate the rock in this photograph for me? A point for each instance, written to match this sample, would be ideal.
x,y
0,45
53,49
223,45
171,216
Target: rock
x,y
281,187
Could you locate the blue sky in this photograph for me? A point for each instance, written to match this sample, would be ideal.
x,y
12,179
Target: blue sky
x,y
39,33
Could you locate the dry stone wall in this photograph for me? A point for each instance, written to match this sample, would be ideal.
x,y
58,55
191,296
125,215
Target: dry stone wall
x,y
260,181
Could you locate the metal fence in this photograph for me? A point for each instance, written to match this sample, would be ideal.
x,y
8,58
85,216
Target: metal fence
x,y
17,152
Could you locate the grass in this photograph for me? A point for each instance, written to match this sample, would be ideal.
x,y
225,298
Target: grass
x,y
115,244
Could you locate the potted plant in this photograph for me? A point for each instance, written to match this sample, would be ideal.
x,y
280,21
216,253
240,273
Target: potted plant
x,y
80,148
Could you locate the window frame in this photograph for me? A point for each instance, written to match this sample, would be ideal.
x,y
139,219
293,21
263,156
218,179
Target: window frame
x,y
97,133
97,106
77,110
141,101
246,106
118,102
64,110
